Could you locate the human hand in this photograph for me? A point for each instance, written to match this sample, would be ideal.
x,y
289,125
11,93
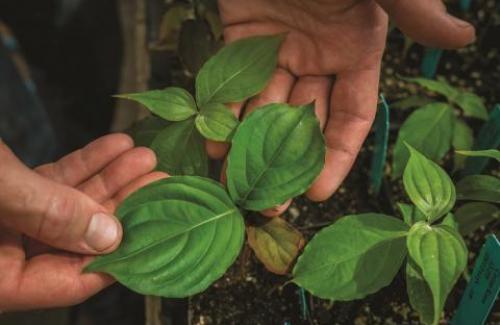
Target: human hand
x,y
66,205
332,54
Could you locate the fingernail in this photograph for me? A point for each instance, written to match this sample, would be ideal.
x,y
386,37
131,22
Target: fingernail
x,y
459,22
102,232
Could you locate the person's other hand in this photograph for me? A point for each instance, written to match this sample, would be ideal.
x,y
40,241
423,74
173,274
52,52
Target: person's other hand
x,y
54,218
332,55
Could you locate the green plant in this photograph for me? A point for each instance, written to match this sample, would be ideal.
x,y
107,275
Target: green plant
x,y
436,126
360,254
182,233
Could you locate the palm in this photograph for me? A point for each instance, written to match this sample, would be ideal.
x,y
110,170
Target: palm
x,y
324,37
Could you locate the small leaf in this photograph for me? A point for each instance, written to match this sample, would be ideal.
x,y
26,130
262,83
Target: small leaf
x,y
473,215
462,140
472,105
216,122
277,152
411,102
410,213
441,254
449,220
429,130
172,104
479,188
354,257
275,243
180,150
490,153
180,235
428,186
438,86
238,71
419,293
145,131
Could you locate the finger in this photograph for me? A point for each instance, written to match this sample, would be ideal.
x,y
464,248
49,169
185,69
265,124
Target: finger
x,y
277,91
59,275
315,89
217,150
82,164
427,22
276,211
124,169
353,108
142,181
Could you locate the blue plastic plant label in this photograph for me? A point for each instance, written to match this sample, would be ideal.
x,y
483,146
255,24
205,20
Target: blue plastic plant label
x,y
430,62
381,128
482,290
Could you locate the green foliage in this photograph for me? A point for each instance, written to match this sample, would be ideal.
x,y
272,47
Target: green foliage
x,y
490,153
419,293
441,254
428,186
429,130
181,150
410,213
145,131
462,140
275,243
238,71
479,188
180,235
471,104
216,122
277,152
172,104
411,102
356,256
473,215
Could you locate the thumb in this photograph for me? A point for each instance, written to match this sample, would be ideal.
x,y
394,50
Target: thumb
x,y
427,22
55,214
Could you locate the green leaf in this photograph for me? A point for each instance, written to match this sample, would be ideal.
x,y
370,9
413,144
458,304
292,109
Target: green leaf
x,y
180,235
411,102
479,188
449,220
354,257
441,254
473,215
238,71
180,150
277,152
462,140
216,122
172,104
275,243
145,131
428,186
410,213
472,105
490,153
419,293
429,130
438,86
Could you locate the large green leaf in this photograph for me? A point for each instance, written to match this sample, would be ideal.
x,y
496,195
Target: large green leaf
x,y
441,254
238,71
145,131
490,153
180,150
172,104
438,86
463,139
428,186
275,243
354,257
419,293
277,152
180,235
216,122
471,216
479,188
429,130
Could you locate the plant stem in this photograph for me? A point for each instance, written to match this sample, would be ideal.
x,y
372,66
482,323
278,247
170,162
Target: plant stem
x,y
152,310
